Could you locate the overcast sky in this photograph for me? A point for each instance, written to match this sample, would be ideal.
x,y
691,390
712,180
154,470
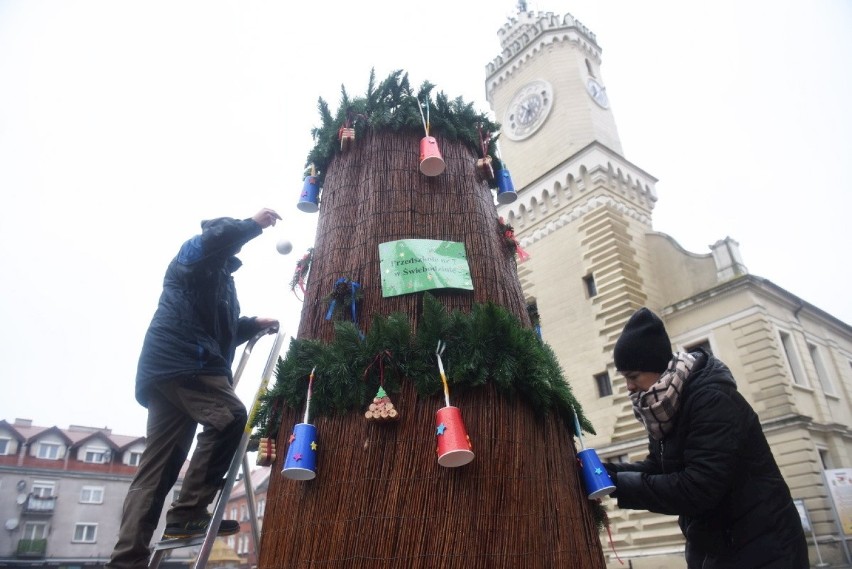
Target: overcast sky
x,y
124,123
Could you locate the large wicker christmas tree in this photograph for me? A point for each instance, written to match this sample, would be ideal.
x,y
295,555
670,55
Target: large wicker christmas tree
x,y
379,497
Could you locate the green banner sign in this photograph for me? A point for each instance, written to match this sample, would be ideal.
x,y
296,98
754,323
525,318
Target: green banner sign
x,y
413,265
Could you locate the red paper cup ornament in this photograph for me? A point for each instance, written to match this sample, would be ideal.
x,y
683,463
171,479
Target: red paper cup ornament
x,y
454,447
431,162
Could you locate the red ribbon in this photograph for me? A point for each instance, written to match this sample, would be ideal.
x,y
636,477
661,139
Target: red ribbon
x,y
522,255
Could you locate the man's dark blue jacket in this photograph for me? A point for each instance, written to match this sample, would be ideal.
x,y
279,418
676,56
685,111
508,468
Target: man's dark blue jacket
x,y
197,326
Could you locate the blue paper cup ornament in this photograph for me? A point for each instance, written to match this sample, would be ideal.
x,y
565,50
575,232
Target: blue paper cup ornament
x,y
300,463
595,477
309,198
454,447
505,188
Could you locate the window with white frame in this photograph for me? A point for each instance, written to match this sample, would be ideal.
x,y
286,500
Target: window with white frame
x,y
244,512
35,530
231,541
5,446
821,371
85,533
96,455
43,488
234,513
92,495
48,451
261,507
134,458
242,544
793,359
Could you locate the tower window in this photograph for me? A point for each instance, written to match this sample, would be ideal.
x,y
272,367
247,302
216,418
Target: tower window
x,y
604,384
591,287
589,68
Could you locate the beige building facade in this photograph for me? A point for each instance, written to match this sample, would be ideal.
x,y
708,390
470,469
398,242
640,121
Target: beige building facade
x,y
585,215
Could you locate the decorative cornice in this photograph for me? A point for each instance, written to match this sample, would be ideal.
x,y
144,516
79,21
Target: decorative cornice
x,y
522,37
553,199
546,227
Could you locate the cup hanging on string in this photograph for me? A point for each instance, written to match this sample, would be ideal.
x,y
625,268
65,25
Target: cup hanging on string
x,y
301,460
454,446
309,198
505,187
431,162
595,477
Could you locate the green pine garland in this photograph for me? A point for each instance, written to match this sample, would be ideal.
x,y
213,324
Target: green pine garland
x,y
393,105
487,345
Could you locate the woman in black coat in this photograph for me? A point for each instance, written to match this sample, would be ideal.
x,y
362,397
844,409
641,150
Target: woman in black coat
x,y
708,462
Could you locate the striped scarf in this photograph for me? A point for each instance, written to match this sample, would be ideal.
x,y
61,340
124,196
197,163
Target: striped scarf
x,y
656,407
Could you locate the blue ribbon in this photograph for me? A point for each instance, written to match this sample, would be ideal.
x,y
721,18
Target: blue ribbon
x,y
354,289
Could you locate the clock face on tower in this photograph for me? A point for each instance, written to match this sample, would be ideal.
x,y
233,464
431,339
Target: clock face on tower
x,y
598,93
528,109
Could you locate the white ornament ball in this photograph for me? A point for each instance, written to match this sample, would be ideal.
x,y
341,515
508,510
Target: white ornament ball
x,y
284,246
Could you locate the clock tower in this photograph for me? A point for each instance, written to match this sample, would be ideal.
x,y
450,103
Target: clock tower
x,y
583,211
547,91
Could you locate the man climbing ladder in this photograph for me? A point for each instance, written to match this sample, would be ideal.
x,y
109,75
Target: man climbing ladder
x,y
184,379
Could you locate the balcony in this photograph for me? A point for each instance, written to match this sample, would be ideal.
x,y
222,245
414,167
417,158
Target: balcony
x,y
32,548
39,505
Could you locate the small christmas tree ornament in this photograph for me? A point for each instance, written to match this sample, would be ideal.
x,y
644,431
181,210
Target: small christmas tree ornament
x,y
300,275
507,232
454,446
381,409
485,169
266,452
595,477
345,294
301,460
309,198
483,165
431,162
346,134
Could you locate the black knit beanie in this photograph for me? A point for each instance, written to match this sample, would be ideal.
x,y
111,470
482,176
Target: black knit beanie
x,y
643,344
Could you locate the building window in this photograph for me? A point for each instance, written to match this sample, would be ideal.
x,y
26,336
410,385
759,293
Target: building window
x,y
35,530
234,513
703,344
134,458
793,359
242,544
825,459
589,68
85,533
244,512
49,451
821,370
43,489
231,541
96,455
92,495
591,287
604,384
261,507
5,446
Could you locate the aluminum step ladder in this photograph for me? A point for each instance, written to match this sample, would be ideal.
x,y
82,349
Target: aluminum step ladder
x,y
240,460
